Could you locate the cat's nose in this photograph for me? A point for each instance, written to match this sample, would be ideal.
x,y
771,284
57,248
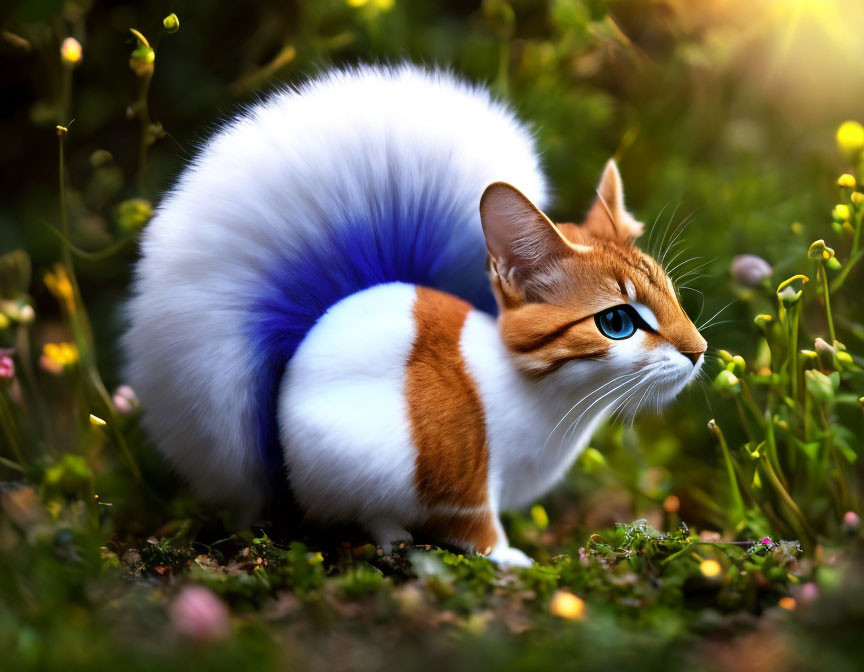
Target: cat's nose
x,y
693,356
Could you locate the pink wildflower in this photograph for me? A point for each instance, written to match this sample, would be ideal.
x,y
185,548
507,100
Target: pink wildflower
x,y
125,400
198,614
7,367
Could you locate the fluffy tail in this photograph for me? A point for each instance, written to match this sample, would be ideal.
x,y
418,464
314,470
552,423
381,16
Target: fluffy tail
x,y
356,178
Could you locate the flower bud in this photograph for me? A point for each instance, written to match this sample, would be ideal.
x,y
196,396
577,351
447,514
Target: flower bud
x,y
857,198
808,354
787,294
833,264
841,212
750,270
727,383
737,366
26,314
96,421
844,357
143,56
763,321
724,356
172,24
819,385
819,251
826,353
70,52
851,522
850,137
846,180
132,214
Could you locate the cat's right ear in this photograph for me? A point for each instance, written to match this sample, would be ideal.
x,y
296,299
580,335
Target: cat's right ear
x,y
519,236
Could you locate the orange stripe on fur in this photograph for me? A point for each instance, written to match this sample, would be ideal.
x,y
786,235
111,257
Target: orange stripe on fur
x,y
447,422
475,528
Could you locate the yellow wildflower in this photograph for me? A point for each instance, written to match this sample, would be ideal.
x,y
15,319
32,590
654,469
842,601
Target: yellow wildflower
x,y
58,356
857,198
711,568
539,516
70,52
565,604
841,212
59,284
846,180
850,137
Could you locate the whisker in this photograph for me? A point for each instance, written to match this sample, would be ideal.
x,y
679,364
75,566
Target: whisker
x,y
588,396
654,226
668,224
717,314
672,270
637,374
717,324
679,230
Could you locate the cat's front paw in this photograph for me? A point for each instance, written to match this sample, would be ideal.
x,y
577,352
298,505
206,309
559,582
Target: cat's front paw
x,y
507,556
389,535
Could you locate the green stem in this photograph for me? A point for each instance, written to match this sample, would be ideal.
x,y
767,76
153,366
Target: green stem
x,y
10,431
854,256
503,67
737,499
820,271
793,352
143,113
771,449
800,521
750,401
99,255
840,279
742,416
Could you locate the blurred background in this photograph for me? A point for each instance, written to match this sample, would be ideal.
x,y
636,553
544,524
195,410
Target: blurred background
x,y
723,116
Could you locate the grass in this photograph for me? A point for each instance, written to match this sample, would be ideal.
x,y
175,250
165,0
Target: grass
x,y
107,561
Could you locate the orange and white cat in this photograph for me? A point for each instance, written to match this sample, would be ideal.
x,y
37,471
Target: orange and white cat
x,y
345,293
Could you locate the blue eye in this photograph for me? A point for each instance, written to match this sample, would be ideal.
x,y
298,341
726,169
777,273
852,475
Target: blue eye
x,y
616,323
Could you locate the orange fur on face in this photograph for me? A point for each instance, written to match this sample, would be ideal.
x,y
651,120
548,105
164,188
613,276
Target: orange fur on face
x,y
550,280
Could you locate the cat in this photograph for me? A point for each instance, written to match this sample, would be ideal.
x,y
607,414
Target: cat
x,y
353,290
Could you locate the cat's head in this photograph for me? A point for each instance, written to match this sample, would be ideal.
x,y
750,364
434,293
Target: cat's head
x,y
581,305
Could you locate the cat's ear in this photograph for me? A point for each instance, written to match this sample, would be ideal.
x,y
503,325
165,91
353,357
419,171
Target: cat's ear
x,y
519,236
608,218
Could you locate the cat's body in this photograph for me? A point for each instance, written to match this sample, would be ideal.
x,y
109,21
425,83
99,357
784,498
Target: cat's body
x,y
305,301
433,420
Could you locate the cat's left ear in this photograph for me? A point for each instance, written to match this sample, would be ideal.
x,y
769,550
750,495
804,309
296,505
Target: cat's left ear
x,y
608,218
